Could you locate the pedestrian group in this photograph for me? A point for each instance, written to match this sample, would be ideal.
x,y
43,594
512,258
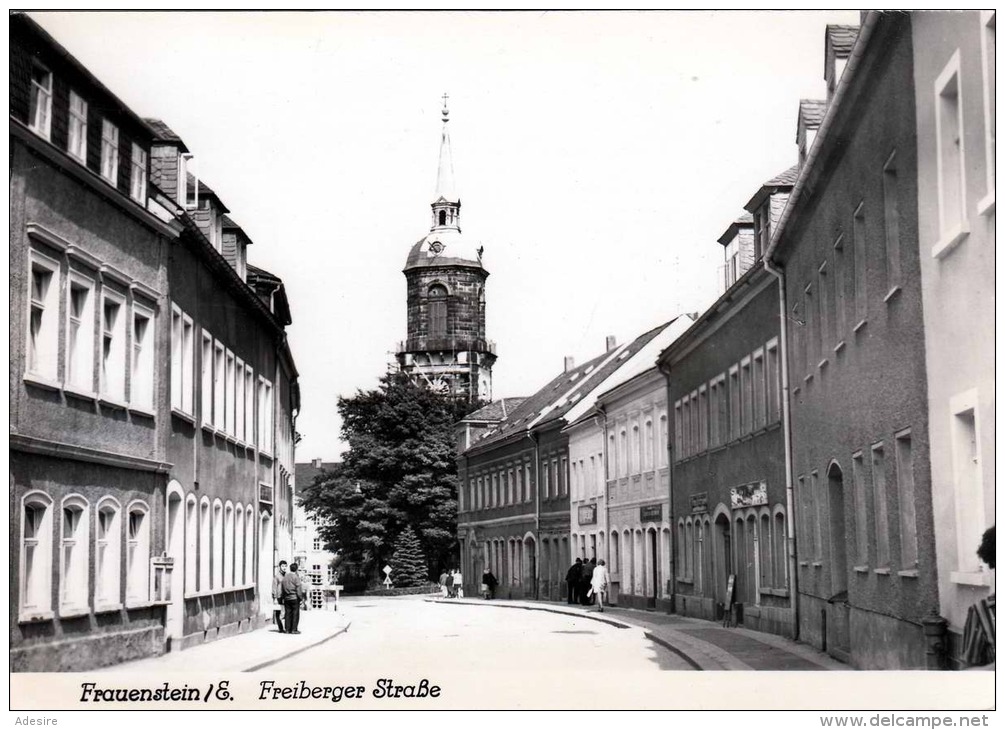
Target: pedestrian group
x,y
588,582
288,595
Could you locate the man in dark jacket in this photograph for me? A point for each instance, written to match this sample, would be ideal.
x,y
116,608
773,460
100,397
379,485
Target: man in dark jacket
x,y
584,586
277,600
573,578
292,594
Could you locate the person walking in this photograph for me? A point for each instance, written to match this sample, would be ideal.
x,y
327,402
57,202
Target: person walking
x,y
572,578
451,593
489,584
277,600
458,584
598,584
586,581
443,584
292,594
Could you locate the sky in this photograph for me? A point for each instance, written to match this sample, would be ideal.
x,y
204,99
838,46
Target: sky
x,y
598,157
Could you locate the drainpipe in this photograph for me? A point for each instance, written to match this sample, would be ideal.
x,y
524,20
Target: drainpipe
x,y
537,513
790,502
665,369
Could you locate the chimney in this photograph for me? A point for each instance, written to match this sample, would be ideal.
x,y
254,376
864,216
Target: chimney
x,y
612,342
570,363
316,463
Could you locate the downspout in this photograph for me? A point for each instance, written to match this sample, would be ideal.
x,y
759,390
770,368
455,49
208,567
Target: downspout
x,y
665,369
537,512
790,501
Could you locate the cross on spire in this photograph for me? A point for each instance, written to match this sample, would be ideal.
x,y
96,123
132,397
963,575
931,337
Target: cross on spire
x,y
446,112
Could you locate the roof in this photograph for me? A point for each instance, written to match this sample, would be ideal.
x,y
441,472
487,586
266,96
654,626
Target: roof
x,y
444,247
743,221
841,38
811,112
306,472
281,304
781,182
496,410
230,224
164,133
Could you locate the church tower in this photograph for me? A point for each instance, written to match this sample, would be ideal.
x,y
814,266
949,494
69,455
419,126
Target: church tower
x,y
446,346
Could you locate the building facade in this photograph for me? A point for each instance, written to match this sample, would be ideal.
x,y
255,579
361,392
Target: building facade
x,y
315,562
847,248
445,345
954,78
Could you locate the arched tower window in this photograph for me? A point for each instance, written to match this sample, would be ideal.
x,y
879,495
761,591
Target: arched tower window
x,y
443,217
437,310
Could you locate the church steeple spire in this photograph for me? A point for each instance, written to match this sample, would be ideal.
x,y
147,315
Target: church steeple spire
x,y
446,204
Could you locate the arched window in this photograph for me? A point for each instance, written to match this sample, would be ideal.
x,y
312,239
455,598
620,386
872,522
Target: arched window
x,y
663,441
239,546
779,551
615,552
764,546
228,545
648,446
204,545
443,217
217,545
108,551
636,444
249,545
689,551
36,554
437,310
74,558
191,544
138,554
699,557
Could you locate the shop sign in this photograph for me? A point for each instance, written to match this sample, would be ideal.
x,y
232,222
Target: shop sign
x,y
588,514
748,495
699,503
651,513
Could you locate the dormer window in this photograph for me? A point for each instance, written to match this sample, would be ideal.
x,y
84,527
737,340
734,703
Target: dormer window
x,y
762,229
40,113
138,177
732,262
109,152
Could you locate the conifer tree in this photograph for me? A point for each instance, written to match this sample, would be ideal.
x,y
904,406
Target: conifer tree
x,y
408,564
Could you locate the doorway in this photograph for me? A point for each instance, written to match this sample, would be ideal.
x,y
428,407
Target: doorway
x,y
175,545
654,568
840,643
723,557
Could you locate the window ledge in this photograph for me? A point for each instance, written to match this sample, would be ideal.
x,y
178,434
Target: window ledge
x,y
913,573
112,403
686,581
808,378
780,592
134,604
891,294
950,240
208,428
804,564
860,325
986,205
861,568
882,571
970,578
107,608
268,454
40,381
182,415
32,617
80,393
795,390
74,611
142,411
823,363
839,346
817,564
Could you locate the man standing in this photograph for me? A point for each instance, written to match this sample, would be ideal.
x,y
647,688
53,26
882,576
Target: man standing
x,y
292,594
584,582
572,579
277,598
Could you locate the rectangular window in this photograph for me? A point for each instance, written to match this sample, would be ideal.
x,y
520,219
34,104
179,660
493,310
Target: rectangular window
x,y
968,483
758,389
231,390
43,312
138,556
988,57
678,437
77,135
113,346
880,506
702,419
75,560
40,113
950,155
810,328
905,491
686,408
861,306
36,556
109,152
249,404
206,363
840,285
138,175
734,402
563,476
80,334
239,417
774,382
713,414
806,503
182,385
265,405
530,484
106,568
219,386
732,270
141,387
861,510
818,515
823,309
747,402
891,220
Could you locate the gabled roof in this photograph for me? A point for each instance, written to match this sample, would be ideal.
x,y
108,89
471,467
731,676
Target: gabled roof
x,y
496,410
306,472
164,133
746,220
811,112
230,225
841,38
282,304
782,182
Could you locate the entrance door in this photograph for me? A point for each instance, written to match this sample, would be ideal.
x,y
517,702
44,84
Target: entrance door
x,y
175,544
723,558
840,642
654,569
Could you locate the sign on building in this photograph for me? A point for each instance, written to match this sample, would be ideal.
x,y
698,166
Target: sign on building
x,y
699,503
748,495
651,513
588,514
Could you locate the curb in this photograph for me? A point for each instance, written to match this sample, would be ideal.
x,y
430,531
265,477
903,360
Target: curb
x,y
294,653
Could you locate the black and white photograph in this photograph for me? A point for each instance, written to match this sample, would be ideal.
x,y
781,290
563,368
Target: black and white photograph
x,y
696,387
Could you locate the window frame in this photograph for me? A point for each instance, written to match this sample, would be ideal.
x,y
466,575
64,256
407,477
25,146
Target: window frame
x,y
121,355
951,232
78,573
113,555
109,152
138,174
986,205
42,539
143,370
80,346
45,346
41,127
138,567
76,134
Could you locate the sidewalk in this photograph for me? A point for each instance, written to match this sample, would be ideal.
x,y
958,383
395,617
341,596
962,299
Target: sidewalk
x,y
703,644
246,652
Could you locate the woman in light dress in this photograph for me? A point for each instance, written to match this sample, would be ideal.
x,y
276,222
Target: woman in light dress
x,y
598,583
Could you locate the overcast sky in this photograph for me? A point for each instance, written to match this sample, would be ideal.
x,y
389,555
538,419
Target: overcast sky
x,y
598,157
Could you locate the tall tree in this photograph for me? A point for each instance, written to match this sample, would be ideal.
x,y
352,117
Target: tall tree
x,y
399,471
408,564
